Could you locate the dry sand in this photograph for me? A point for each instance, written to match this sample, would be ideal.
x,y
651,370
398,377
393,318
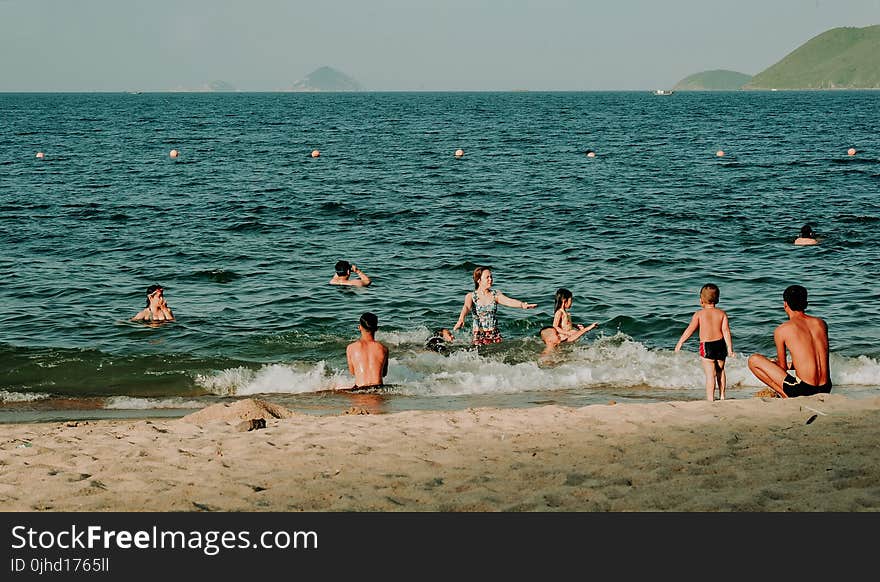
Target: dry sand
x,y
818,453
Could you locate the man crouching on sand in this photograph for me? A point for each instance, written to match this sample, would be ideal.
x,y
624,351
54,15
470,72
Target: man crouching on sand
x,y
367,358
806,338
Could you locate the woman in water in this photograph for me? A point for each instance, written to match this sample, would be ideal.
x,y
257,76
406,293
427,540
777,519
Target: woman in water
x,y
483,302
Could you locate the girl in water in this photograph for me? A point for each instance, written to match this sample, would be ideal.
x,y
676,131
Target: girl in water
x,y
562,318
483,301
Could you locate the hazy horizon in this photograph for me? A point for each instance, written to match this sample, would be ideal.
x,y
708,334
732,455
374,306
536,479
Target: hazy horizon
x,y
395,45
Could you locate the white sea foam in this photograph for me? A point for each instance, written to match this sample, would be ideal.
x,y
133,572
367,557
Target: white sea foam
x,y
272,378
6,396
134,403
607,362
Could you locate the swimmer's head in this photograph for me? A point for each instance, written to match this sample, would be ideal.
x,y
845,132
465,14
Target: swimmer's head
x,y
550,336
710,294
343,268
478,274
369,321
796,297
436,344
153,289
806,231
562,295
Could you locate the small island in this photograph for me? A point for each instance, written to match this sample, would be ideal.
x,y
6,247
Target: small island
x,y
327,79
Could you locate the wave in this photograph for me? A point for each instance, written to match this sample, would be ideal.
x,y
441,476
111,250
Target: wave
x,y
608,363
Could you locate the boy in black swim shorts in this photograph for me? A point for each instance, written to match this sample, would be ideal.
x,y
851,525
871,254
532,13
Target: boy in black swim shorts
x,y
715,340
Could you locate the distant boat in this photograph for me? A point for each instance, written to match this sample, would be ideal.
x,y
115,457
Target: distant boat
x,y
663,92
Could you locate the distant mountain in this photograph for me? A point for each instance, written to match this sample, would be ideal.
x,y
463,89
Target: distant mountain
x,y
221,87
717,80
327,79
840,58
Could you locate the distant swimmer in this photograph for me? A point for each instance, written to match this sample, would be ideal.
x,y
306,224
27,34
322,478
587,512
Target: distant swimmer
x,y
591,154
807,237
367,358
157,308
344,269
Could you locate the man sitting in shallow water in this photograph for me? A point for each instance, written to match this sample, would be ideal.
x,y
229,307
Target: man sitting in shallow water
x,y
367,358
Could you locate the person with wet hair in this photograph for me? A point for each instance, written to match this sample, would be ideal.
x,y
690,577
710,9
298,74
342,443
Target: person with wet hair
x,y
344,269
157,308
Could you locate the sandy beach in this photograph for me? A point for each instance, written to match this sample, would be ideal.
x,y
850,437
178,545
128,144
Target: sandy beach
x,y
817,453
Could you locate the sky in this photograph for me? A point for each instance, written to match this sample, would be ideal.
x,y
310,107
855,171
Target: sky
x,y
402,45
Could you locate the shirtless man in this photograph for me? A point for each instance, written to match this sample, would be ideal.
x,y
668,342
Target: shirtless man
x,y
344,269
367,358
807,237
806,339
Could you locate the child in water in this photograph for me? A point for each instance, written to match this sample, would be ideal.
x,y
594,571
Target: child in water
x,y
715,341
562,318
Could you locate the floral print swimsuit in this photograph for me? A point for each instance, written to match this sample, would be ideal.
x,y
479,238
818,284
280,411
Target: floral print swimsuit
x,y
485,322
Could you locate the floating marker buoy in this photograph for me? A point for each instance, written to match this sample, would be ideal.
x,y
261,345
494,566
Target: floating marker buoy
x,y
851,152
174,153
40,155
459,152
315,153
720,153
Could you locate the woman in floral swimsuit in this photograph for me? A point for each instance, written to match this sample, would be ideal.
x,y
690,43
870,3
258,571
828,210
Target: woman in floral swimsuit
x,y
483,302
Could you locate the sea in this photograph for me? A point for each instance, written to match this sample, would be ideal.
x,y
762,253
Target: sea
x,y
244,226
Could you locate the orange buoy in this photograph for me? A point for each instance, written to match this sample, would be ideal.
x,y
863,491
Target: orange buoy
x,y
174,153
851,152
315,153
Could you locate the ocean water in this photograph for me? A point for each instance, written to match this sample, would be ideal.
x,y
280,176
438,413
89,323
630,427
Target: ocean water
x,y
244,227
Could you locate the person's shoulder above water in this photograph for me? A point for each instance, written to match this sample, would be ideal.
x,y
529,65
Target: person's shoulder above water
x,y
157,308
344,269
807,237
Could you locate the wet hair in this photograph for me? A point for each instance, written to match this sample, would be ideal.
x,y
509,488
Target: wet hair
x,y
562,295
806,231
709,293
369,321
796,297
437,343
152,289
343,268
478,272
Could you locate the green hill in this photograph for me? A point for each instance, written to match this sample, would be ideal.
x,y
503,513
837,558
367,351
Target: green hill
x,y
327,79
717,80
840,58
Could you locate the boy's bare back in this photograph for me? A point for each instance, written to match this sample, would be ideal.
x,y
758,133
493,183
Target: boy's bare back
x,y
711,323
